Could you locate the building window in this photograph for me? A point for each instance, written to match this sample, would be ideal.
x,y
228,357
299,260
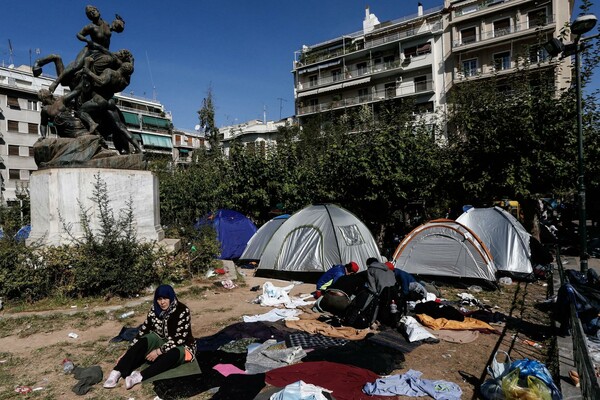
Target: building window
x,y
336,74
422,108
537,54
32,128
32,105
420,83
468,35
502,27
14,174
13,150
13,126
390,90
469,67
361,68
31,154
363,95
502,61
388,61
537,18
424,48
410,51
313,80
13,102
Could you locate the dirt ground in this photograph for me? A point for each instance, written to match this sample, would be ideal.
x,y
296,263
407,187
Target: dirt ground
x,y
35,359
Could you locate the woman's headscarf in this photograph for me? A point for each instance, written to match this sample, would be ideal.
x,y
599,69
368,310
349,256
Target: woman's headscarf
x,y
165,291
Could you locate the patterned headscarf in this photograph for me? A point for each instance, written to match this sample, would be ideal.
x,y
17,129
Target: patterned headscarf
x,y
165,291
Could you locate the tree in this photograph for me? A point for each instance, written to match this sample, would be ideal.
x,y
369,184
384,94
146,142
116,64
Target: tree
x,y
207,121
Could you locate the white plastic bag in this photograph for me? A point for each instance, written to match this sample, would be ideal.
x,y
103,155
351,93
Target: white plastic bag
x,y
497,369
301,391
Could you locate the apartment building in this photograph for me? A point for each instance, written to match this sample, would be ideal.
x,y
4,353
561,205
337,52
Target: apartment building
x,y
184,143
19,127
384,61
495,37
149,123
254,134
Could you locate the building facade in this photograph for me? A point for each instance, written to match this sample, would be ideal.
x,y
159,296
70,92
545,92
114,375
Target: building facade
x,y
254,134
385,61
19,127
184,143
494,38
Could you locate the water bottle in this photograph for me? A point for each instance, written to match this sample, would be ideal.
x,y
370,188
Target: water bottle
x,y
68,366
393,307
127,314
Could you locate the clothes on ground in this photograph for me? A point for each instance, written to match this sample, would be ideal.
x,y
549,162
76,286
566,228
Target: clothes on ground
x,y
363,354
240,387
274,296
456,336
391,338
443,323
264,359
228,369
330,276
87,378
259,330
309,341
437,310
411,384
318,327
301,391
238,345
345,381
126,335
275,314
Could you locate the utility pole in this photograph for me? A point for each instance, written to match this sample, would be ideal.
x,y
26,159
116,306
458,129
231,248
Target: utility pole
x,y
281,100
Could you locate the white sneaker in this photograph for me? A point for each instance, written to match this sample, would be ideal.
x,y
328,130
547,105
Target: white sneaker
x,y
112,380
133,379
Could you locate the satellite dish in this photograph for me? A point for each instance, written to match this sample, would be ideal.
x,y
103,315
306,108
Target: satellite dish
x,y
197,127
11,66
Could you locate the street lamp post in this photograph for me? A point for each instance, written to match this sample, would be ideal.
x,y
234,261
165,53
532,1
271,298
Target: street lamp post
x,y
581,25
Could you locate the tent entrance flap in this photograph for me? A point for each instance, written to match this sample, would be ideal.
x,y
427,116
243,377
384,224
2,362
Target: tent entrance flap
x,y
304,247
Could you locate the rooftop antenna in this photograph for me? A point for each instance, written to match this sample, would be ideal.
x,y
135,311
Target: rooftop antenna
x,y
264,114
10,52
281,100
151,78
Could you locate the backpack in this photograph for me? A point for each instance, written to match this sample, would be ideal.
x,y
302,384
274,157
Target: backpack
x,y
362,310
389,294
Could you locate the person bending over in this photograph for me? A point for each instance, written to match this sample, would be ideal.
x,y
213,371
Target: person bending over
x,y
164,341
333,274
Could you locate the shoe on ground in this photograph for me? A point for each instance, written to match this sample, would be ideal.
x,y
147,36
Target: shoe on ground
x,y
133,379
112,380
574,377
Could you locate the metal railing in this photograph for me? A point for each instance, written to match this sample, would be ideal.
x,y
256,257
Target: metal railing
x,y
583,361
483,5
406,89
496,33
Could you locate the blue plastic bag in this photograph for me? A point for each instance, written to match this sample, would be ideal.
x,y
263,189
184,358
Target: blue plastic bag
x,y
535,368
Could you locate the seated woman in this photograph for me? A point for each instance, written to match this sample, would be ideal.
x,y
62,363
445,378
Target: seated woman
x,y
165,341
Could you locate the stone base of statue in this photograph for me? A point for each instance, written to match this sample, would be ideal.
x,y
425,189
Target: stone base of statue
x,y
60,195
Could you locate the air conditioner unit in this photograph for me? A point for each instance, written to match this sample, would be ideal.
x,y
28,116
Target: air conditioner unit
x,y
398,79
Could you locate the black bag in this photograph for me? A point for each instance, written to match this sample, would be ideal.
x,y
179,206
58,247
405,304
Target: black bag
x,y
362,310
388,295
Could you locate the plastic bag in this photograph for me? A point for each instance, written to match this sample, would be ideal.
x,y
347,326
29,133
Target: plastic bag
x,y
496,369
513,388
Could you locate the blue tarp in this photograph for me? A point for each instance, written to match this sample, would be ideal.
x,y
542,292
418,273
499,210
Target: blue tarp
x,y
233,231
23,233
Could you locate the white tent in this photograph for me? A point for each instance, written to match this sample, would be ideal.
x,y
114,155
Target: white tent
x,y
259,240
504,235
315,238
445,248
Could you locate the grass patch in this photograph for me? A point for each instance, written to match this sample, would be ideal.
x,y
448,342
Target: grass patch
x,y
29,325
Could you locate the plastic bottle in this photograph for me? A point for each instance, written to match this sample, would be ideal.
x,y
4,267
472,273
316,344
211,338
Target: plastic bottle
x,y
393,307
68,366
127,314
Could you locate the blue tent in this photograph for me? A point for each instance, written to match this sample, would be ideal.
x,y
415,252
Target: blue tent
x,y
233,231
23,233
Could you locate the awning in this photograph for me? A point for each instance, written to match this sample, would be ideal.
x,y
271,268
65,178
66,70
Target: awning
x,y
308,93
12,101
164,142
131,118
321,66
357,81
424,47
157,122
184,151
329,88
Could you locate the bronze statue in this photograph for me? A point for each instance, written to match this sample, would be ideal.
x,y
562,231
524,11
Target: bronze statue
x,y
93,77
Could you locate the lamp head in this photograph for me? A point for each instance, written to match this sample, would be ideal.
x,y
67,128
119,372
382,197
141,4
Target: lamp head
x,y
583,24
554,47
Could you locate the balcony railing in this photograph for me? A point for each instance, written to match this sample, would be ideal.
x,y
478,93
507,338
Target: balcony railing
x,y
352,73
489,70
483,5
355,43
495,33
406,89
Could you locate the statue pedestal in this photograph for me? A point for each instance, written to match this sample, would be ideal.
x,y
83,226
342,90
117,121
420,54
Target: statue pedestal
x,y
58,196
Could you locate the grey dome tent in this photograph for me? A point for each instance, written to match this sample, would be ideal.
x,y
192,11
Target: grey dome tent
x,y
445,248
257,243
504,235
312,240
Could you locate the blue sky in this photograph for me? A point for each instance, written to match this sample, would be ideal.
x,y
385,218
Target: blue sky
x,y
243,49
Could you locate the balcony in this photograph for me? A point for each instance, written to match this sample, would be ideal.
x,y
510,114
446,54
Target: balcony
x,y
488,36
403,90
474,8
358,42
